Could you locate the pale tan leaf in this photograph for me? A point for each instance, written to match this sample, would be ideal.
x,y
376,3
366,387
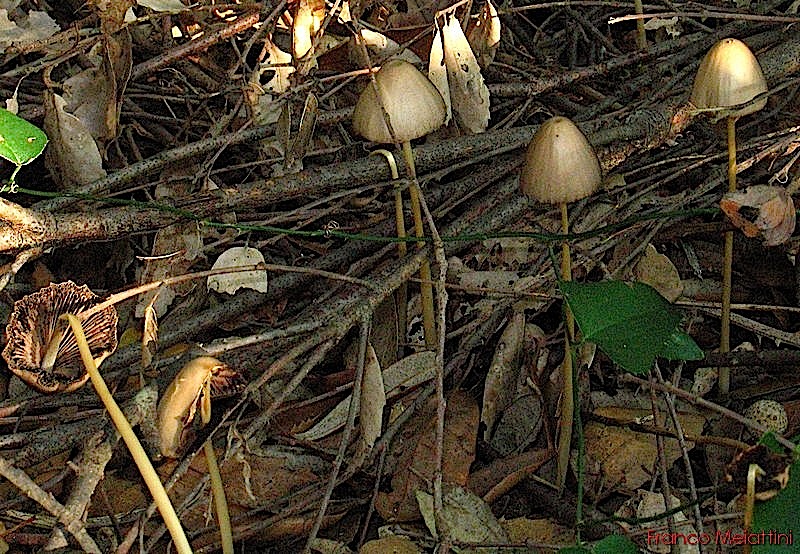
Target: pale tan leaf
x,y
373,400
437,70
483,33
26,28
308,16
381,48
504,373
658,271
239,256
72,154
397,379
172,6
149,334
281,63
467,518
468,92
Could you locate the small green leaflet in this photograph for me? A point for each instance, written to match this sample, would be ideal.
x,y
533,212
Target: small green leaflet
x,y
631,323
20,142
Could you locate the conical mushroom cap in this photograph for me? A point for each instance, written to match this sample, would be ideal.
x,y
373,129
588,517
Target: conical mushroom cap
x,y
729,75
560,164
414,105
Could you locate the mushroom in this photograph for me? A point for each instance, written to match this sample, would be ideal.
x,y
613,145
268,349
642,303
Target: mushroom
x,y
196,383
728,76
39,348
401,105
560,167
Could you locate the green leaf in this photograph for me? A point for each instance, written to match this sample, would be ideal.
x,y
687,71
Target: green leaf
x,y
615,544
680,346
630,322
20,142
778,516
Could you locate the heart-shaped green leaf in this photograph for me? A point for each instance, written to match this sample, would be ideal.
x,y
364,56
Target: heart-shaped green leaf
x,y
20,142
631,323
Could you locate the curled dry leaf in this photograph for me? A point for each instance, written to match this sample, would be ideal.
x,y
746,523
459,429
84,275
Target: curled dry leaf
x,y
658,271
468,92
231,282
503,375
437,70
381,48
373,400
483,34
762,210
73,155
307,21
415,465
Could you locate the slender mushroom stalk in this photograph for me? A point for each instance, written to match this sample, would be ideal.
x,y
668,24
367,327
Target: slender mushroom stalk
x,y
728,76
561,167
401,106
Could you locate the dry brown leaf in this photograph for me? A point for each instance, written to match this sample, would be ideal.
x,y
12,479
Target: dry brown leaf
x,y
373,400
468,92
504,373
523,529
762,210
483,34
149,334
618,458
415,465
306,23
72,155
658,271
466,517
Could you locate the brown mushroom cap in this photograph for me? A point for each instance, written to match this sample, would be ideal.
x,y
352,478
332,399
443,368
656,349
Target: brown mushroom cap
x,y
560,164
729,75
414,106
34,322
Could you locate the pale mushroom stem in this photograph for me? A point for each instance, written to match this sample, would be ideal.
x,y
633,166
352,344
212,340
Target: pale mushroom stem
x,y
567,401
217,488
727,266
138,454
641,38
426,281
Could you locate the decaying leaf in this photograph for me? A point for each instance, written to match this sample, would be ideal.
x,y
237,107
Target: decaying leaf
x,y
467,517
373,400
73,154
171,6
504,373
468,92
397,379
415,465
231,282
149,334
437,70
281,63
25,29
483,33
646,504
762,210
615,454
380,48
307,20
658,271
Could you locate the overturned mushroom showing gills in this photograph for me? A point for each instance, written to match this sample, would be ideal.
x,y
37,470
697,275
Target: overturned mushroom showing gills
x,y
729,75
42,351
408,101
196,383
560,167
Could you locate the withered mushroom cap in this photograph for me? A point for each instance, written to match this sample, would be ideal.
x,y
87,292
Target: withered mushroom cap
x,y
560,164
729,75
33,323
178,404
414,106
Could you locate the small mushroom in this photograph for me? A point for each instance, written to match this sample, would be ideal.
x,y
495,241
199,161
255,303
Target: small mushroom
x,y
770,414
560,167
196,383
729,75
42,351
413,107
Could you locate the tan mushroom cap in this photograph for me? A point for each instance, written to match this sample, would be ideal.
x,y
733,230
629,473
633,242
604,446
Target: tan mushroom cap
x,y
560,164
414,106
729,75
34,322
178,404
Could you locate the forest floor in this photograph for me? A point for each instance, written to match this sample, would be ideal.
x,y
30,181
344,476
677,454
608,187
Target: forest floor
x,y
186,138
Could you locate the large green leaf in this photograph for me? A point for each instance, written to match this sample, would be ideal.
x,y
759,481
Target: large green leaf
x,y
20,142
631,323
779,516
